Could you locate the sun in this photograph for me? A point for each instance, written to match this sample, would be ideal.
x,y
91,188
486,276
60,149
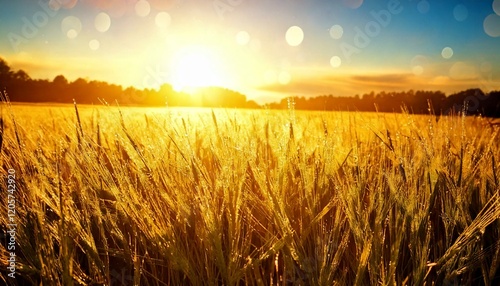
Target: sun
x,y
195,67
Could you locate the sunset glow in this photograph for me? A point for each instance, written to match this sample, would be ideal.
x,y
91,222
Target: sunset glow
x,y
308,48
195,67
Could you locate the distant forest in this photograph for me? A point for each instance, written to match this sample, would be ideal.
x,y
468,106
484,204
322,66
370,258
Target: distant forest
x,y
20,87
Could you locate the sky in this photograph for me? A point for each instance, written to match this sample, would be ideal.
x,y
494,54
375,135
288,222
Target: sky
x,y
266,49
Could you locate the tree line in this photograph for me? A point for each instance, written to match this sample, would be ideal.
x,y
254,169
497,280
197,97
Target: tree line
x,y
472,101
22,88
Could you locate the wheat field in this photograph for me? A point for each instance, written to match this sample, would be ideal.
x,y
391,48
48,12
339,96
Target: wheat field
x,y
109,195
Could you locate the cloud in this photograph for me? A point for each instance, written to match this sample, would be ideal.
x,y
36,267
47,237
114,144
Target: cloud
x,y
383,80
463,71
343,84
309,86
350,85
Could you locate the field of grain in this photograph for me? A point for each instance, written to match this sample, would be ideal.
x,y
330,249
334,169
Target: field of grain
x,y
172,196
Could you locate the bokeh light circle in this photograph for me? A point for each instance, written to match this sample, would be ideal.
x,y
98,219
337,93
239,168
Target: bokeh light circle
x,y
94,45
496,7
460,12
242,38
142,8
491,25
417,70
336,32
163,19
294,36
418,64
447,53
423,6
71,23
335,61
71,34
54,5
102,22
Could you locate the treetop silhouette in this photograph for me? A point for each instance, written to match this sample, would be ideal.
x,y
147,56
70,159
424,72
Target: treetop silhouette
x,y
22,88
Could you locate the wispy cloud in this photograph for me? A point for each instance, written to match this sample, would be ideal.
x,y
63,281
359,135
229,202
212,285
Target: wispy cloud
x,y
349,85
383,80
310,86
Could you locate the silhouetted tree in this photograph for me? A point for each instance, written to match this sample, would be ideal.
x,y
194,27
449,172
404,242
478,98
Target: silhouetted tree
x,y
5,74
60,80
21,87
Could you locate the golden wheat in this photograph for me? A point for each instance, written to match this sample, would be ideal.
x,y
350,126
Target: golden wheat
x,y
129,196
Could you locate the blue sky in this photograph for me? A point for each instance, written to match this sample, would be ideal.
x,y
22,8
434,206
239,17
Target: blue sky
x,y
265,49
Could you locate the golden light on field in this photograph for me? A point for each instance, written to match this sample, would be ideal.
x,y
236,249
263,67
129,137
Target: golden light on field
x,y
197,66
250,142
149,43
